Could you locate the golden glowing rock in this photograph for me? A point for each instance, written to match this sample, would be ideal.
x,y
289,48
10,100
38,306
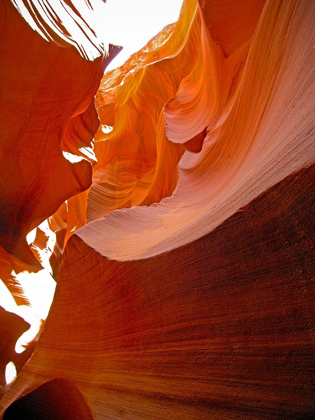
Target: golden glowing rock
x,y
230,103
186,286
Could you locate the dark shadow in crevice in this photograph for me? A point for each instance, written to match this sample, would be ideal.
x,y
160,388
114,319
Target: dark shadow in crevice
x,y
58,399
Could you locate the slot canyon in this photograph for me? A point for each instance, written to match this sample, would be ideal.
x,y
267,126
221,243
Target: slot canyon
x,y
167,206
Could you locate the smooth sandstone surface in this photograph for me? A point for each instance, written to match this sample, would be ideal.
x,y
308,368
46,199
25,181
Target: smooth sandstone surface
x,y
47,95
185,237
220,328
259,116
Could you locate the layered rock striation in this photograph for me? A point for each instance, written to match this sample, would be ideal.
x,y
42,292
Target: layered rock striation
x,y
185,251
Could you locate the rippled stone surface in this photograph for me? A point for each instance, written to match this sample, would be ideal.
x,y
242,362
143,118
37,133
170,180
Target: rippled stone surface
x,y
185,260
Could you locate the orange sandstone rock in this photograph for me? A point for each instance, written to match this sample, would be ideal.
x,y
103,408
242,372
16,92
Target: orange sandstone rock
x,y
47,107
251,102
218,328
186,286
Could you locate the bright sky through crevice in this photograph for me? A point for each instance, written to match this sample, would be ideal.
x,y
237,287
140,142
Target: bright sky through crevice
x,y
132,23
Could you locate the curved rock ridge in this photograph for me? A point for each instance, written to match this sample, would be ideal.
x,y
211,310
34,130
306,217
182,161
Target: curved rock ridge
x,y
219,328
181,198
245,107
47,114
47,109
67,23
49,399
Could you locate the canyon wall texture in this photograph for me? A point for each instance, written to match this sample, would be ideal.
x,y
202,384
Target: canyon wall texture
x,y
185,230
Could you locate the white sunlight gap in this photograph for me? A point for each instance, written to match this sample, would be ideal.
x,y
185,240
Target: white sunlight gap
x,y
131,24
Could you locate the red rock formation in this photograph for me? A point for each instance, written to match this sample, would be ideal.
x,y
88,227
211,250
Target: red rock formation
x,y
219,328
49,401
11,328
47,107
240,100
194,297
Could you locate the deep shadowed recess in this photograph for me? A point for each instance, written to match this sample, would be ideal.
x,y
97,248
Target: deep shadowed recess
x,y
59,399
